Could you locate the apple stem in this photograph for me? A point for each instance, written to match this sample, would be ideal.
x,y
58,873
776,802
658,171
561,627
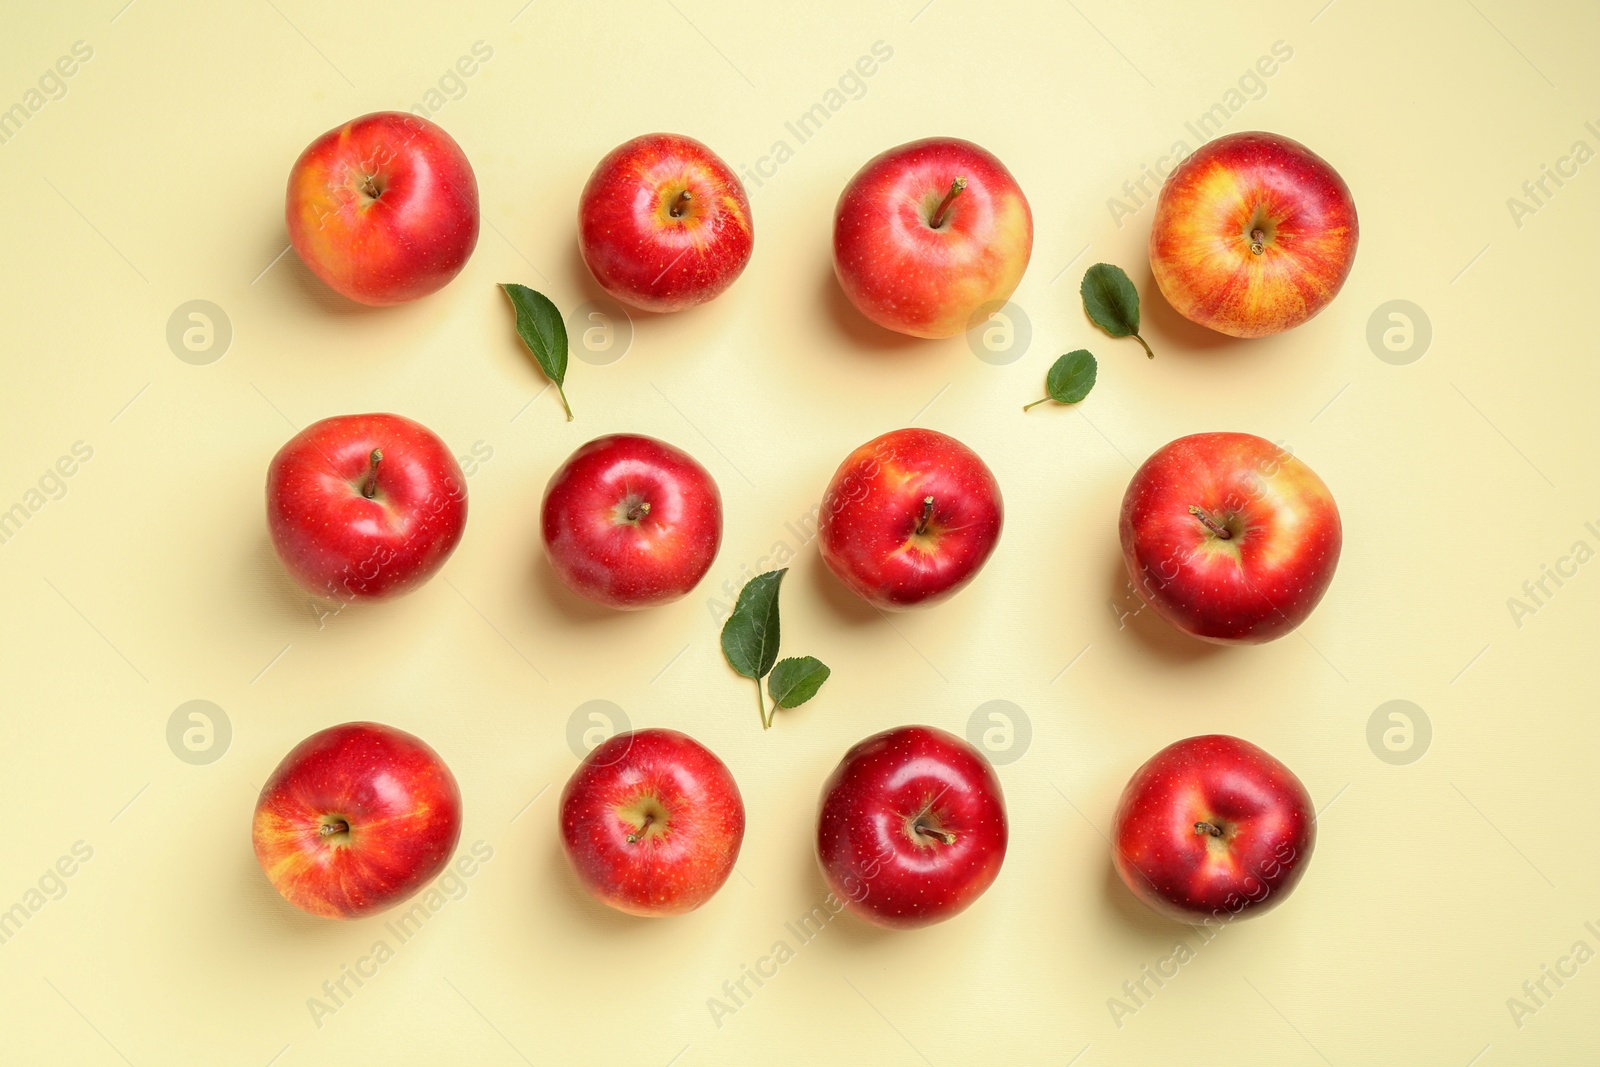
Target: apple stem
x,y
563,394
1035,404
330,828
927,513
944,836
370,488
1215,527
944,205
1258,241
639,511
676,210
1208,828
638,835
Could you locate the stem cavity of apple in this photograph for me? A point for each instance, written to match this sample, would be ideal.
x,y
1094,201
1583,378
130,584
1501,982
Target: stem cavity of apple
x,y
1208,828
1258,241
927,514
370,487
937,219
679,204
330,828
1221,531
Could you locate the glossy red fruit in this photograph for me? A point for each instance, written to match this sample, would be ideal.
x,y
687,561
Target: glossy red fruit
x,y
927,233
910,518
630,521
912,828
1213,828
356,819
1253,234
664,224
1229,537
365,506
651,822
384,209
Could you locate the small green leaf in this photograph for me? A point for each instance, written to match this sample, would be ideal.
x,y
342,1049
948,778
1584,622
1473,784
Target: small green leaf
x,y
1111,302
1070,379
796,680
541,329
750,636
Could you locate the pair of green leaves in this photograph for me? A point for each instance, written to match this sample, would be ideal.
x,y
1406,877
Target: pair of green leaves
x,y
750,641
541,329
1112,303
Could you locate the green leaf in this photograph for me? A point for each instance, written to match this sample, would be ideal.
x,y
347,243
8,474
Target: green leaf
x,y
1111,302
796,680
541,329
750,636
1071,378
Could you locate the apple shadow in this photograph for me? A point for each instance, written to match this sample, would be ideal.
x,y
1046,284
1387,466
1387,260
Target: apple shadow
x,y
264,905
1133,913
584,906
317,292
574,609
845,605
1177,333
1156,634
860,331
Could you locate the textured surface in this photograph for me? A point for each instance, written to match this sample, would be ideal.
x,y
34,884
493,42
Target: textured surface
x,y
144,579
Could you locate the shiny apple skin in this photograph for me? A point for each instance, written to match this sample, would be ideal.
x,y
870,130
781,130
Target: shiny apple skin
x,y
406,242
1268,825
1260,583
1200,245
869,517
683,799
398,799
638,250
876,861
338,543
600,553
905,275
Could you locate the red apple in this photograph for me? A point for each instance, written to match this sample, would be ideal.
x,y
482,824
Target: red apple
x,y
652,821
365,506
384,208
630,521
1253,234
1229,537
927,233
912,828
663,223
909,519
356,819
1213,828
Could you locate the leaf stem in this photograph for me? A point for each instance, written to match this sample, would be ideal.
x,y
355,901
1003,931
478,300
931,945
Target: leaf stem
x,y
761,706
563,394
937,219
1141,340
1036,403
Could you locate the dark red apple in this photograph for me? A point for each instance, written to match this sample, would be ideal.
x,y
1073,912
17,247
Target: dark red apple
x,y
927,233
384,209
365,506
1229,537
1254,233
1212,828
910,518
912,827
630,521
652,822
663,223
356,819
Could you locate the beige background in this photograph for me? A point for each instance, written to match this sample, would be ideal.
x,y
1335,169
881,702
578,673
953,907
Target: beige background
x,y
1438,887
